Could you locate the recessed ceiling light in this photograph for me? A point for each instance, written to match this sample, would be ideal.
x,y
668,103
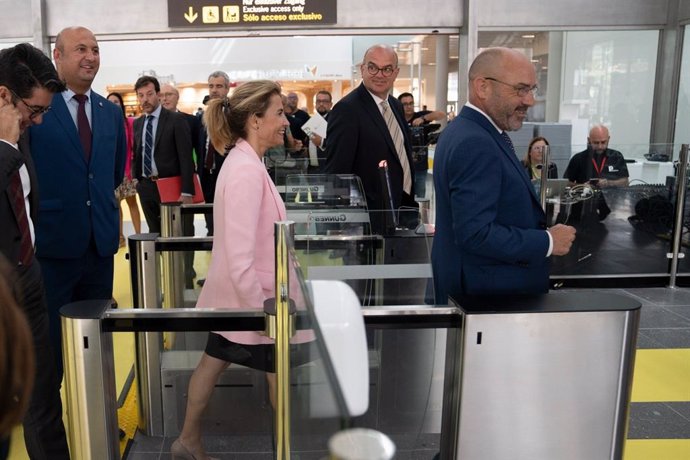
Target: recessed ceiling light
x,y
528,36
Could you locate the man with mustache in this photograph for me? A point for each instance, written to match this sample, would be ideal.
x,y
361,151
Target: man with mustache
x,y
162,148
491,235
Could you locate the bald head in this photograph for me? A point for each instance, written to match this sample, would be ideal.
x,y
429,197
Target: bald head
x,y
77,57
170,97
497,63
379,70
381,49
599,139
501,84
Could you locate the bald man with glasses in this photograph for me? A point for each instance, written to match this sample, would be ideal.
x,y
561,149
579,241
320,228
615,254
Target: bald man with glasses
x,y
491,232
367,127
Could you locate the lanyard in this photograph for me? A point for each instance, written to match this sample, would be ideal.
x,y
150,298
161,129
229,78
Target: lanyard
x,y
599,169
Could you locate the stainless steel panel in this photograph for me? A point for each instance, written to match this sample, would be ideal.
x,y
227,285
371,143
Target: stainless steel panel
x,y
90,397
544,385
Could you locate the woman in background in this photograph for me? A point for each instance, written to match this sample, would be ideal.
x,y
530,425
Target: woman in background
x,y
127,190
241,273
534,158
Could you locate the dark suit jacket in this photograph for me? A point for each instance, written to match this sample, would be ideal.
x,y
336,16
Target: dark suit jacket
x,y
172,149
77,198
11,160
490,229
194,124
358,139
201,155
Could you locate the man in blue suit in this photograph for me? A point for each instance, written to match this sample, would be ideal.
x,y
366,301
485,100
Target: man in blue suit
x,y
79,153
491,235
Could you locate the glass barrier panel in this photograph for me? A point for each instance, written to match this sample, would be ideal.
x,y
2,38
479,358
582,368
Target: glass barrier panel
x,y
384,256
406,380
317,405
621,229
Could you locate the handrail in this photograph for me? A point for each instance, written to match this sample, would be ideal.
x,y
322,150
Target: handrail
x,y
283,331
681,187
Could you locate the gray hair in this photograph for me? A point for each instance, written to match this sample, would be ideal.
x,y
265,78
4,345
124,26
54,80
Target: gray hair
x,y
221,74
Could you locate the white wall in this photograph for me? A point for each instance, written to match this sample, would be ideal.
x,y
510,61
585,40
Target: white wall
x,y
192,60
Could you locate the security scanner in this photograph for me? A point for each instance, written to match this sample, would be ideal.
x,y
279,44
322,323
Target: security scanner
x,y
339,237
327,205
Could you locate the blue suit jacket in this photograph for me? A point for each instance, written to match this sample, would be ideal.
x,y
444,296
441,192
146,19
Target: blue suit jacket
x,y
490,229
77,199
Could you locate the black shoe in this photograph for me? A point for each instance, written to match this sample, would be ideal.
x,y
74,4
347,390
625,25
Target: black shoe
x,y
113,303
201,282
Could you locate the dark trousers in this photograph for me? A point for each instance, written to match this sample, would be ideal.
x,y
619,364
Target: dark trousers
x,y
87,277
208,186
150,204
44,433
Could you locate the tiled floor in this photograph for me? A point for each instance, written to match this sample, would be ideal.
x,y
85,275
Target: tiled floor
x,y
659,427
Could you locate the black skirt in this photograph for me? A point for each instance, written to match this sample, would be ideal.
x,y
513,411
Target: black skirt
x,y
260,357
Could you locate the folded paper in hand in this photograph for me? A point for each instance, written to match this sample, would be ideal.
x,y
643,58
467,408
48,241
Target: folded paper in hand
x,y
170,189
315,125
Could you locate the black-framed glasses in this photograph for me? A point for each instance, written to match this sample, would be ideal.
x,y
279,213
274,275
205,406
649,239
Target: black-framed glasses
x,y
36,110
521,90
323,101
373,69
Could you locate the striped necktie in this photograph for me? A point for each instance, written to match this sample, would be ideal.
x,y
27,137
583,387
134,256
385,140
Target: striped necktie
x,y
399,142
148,147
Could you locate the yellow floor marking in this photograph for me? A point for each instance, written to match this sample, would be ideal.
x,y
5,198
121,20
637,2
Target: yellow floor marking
x,y
657,449
127,417
662,375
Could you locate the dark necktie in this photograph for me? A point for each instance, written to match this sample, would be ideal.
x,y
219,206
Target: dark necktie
x,y
210,155
148,147
26,250
83,125
399,142
506,138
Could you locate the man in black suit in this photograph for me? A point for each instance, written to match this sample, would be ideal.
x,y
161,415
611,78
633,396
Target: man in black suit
x,y
359,137
323,103
209,161
297,118
28,81
162,148
170,97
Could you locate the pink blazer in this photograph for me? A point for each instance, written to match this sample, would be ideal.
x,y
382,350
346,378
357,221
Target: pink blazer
x,y
246,206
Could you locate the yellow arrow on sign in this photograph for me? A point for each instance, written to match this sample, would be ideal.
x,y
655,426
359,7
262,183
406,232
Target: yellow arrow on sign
x,y
191,15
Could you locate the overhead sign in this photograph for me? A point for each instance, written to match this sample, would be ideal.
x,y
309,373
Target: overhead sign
x,y
248,13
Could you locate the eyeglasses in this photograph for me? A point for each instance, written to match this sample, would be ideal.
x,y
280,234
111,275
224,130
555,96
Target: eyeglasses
x,y
373,69
521,90
408,104
36,110
323,101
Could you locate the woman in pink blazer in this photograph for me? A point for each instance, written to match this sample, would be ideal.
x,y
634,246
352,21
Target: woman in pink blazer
x,y
241,272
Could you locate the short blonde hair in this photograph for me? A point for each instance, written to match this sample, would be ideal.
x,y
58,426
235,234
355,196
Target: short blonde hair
x,y
226,118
